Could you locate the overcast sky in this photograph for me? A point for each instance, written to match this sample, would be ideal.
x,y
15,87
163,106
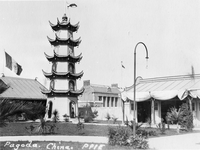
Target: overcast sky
x,y
109,30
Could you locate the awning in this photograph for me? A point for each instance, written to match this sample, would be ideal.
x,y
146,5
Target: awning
x,y
165,88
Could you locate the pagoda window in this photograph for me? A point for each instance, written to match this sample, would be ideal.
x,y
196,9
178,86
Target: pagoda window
x,y
71,68
71,85
54,67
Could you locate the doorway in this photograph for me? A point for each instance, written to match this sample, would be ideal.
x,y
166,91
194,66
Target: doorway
x,y
143,111
72,109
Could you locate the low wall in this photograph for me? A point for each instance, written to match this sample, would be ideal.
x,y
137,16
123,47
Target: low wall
x,y
113,112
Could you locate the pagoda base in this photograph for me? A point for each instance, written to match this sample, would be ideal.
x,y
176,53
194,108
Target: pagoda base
x,y
66,106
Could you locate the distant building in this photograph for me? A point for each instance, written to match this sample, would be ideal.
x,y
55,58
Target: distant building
x,y
104,99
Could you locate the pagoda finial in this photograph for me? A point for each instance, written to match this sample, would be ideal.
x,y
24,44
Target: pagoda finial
x,y
64,18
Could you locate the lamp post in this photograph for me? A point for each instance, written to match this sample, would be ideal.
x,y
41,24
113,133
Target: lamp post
x,y
134,86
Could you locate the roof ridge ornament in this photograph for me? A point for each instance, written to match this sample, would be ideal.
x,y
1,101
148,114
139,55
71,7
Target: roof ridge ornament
x,y
64,18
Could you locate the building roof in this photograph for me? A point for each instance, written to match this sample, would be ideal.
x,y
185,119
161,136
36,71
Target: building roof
x,y
20,88
104,89
164,88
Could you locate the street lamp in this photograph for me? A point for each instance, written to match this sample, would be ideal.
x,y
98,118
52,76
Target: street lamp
x,y
134,86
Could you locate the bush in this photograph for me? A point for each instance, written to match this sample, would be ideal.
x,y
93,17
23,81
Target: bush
x,y
55,116
187,117
108,116
118,136
122,136
114,119
87,114
87,118
138,142
66,117
161,127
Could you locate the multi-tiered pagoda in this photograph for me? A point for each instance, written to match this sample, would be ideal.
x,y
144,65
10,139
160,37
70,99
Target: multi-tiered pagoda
x,y
63,72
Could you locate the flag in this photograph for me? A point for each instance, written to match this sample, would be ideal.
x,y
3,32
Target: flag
x,y
72,5
8,61
12,64
122,65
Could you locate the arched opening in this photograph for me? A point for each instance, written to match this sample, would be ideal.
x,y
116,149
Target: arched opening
x,y
72,109
71,85
50,109
71,68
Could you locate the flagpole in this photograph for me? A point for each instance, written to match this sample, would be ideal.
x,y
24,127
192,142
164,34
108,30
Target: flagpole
x,y
3,61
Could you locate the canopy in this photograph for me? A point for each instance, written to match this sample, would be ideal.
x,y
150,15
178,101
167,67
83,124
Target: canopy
x,y
165,88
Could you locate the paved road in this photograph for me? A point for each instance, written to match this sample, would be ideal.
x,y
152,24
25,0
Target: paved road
x,y
188,141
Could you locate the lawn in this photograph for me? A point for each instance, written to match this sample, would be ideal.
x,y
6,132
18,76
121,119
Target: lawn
x,y
66,128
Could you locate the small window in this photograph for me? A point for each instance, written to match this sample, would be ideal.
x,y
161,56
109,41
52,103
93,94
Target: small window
x,y
116,101
112,101
104,101
100,98
71,85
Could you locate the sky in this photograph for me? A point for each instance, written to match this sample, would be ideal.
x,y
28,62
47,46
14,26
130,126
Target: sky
x,y
109,30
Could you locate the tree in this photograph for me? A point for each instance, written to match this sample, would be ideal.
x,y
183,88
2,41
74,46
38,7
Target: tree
x,y
187,121
10,108
175,116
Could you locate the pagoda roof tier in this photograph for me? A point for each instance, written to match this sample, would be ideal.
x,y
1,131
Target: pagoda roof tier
x,y
61,41
63,93
63,58
64,26
63,75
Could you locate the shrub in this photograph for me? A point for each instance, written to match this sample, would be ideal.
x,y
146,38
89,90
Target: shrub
x,y
175,116
187,117
87,118
182,117
87,114
118,136
130,124
114,119
122,136
108,116
66,117
55,116
138,142
161,127
42,127
148,120
142,132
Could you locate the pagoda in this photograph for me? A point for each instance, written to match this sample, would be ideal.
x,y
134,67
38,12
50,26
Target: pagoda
x,y
64,99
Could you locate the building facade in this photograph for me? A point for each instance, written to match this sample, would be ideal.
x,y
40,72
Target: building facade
x,y
155,97
63,93
102,98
